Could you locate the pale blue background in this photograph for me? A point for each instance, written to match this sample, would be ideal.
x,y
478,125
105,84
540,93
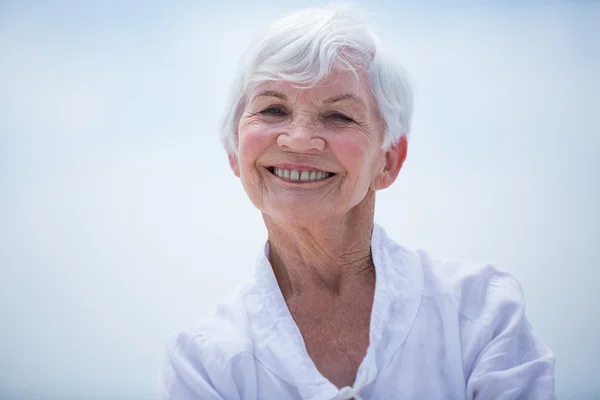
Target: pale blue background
x,y
120,221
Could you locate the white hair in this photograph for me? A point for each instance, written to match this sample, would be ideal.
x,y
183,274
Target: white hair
x,y
304,47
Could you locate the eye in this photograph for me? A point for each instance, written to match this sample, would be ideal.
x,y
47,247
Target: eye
x,y
273,111
340,117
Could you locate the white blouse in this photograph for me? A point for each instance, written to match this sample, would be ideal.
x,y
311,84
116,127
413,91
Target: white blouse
x,y
439,330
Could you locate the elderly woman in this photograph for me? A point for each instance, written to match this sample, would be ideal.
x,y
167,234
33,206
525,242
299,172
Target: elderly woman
x,y
317,124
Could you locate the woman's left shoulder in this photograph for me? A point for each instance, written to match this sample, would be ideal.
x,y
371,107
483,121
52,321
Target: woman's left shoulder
x,y
481,289
499,347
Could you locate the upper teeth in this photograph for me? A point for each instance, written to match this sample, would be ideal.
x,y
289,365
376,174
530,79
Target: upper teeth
x,y
295,175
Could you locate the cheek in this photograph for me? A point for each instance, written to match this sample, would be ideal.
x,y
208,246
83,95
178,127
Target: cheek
x,y
253,141
351,152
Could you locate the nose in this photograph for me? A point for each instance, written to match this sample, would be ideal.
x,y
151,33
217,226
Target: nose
x,y
301,138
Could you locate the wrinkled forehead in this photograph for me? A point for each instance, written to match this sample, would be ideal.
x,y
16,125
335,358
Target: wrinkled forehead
x,y
353,85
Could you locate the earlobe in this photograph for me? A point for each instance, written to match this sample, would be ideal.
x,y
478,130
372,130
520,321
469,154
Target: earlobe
x,y
234,164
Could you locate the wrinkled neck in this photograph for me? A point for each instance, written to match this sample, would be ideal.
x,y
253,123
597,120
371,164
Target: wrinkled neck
x,y
323,255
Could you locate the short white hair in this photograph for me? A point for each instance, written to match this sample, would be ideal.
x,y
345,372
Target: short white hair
x,y
304,47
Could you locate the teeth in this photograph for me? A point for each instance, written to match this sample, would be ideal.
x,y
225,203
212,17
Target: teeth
x,y
295,175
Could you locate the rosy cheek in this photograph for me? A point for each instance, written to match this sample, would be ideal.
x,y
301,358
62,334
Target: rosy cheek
x,y
348,149
254,139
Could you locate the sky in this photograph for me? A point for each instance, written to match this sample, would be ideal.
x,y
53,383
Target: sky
x,y
121,223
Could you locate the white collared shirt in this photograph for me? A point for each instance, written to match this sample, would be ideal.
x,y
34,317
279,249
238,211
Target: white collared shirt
x,y
439,330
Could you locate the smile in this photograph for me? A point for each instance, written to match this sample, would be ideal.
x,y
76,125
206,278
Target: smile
x,y
300,176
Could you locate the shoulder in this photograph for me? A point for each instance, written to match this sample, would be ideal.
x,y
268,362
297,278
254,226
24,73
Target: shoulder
x,y
498,345
481,291
477,291
215,339
211,359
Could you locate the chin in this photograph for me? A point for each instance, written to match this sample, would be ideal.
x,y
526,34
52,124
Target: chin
x,y
302,214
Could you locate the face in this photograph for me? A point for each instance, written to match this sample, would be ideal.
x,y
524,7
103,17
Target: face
x,y
313,153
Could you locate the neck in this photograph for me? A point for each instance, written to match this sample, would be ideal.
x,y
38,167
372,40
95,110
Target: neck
x,y
323,255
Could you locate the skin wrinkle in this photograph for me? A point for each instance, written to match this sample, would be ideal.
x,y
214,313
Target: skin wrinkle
x,y
320,232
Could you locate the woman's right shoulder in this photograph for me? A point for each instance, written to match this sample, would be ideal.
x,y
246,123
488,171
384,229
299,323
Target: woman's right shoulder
x,y
211,357
218,336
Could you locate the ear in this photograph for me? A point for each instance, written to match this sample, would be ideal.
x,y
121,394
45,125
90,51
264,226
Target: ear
x,y
394,159
234,164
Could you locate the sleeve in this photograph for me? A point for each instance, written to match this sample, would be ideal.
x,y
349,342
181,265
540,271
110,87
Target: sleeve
x,y
513,363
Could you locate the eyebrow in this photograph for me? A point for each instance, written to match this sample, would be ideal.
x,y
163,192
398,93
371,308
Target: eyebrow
x,y
335,99
344,97
271,93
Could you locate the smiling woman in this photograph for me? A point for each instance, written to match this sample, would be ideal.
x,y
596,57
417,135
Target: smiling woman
x,y
317,125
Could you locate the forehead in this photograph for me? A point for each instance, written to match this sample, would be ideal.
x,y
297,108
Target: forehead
x,y
337,83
